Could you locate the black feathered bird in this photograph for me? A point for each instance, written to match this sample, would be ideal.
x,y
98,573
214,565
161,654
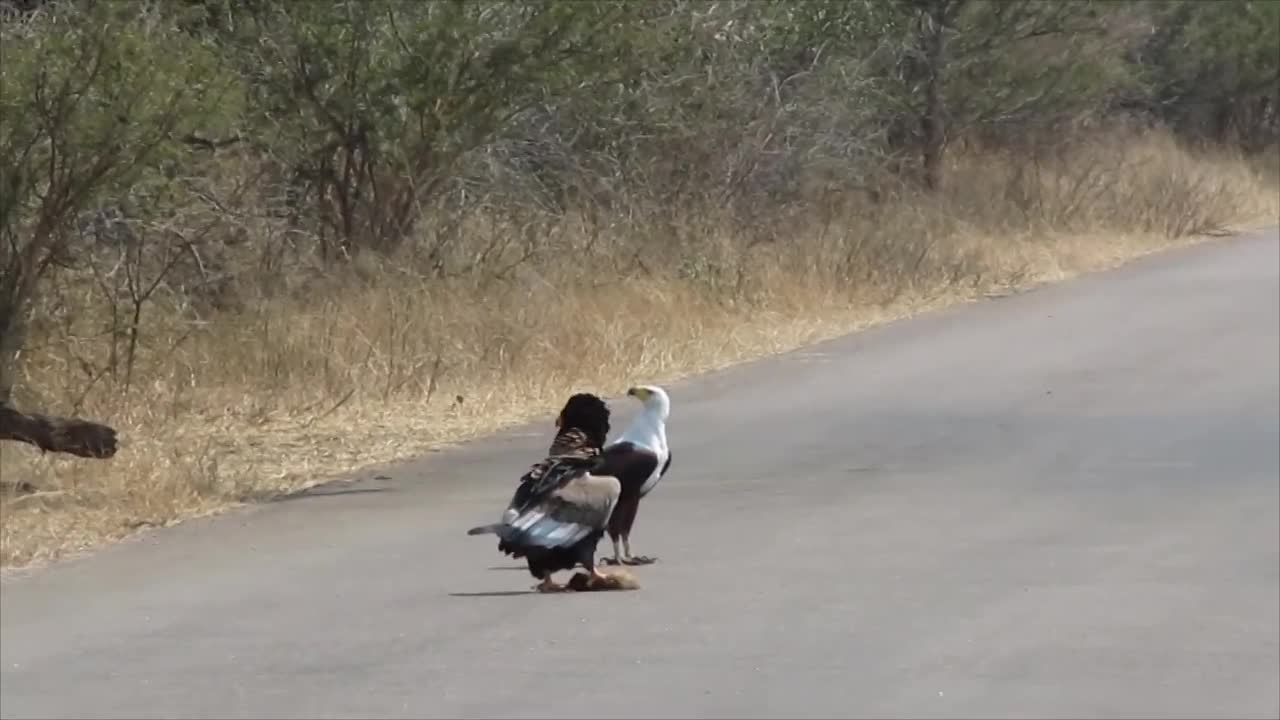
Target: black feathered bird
x,y
560,509
582,427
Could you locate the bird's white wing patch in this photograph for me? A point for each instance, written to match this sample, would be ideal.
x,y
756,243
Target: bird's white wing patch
x,y
564,531
527,521
548,533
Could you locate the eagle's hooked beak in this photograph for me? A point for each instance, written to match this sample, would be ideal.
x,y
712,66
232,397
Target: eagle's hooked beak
x,y
639,392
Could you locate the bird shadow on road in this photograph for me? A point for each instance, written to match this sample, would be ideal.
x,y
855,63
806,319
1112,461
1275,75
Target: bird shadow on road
x,y
493,593
508,567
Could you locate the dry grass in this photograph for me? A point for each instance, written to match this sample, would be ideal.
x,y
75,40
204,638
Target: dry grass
x,y
379,365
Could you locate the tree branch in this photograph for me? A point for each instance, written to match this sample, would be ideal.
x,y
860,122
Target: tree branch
x,y
58,434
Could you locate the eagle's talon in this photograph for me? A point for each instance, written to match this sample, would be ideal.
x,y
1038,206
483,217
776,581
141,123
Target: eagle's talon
x,y
547,586
640,560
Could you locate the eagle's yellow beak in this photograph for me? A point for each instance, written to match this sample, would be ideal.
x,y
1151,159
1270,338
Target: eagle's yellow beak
x,y
639,392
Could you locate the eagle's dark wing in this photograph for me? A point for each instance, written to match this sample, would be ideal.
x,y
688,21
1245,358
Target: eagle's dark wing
x,y
665,467
558,488
631,464
552,474
565,515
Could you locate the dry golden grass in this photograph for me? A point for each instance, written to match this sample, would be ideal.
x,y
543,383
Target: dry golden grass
x,y
283,394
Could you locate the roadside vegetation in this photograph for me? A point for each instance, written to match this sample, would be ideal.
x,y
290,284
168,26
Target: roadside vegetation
x,y
269,242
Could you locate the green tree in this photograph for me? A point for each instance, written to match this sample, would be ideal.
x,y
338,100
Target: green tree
x,y
93,98
1213,69
979,66
372,102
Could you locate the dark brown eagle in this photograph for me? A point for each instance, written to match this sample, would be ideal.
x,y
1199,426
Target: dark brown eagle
x,y
562,505
582,426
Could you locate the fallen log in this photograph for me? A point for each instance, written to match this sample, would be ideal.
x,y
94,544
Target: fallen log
x,y
73,436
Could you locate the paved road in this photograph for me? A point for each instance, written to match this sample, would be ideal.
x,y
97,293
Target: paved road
x,y
1062,503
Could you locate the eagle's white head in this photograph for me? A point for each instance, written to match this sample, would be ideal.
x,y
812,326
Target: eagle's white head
x,y
649,427
654,399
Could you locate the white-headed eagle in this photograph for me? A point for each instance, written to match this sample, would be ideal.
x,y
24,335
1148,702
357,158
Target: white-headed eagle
x,y
638,459
561,507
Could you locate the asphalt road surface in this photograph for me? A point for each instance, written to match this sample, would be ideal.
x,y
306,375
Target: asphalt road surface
x,y
1062,503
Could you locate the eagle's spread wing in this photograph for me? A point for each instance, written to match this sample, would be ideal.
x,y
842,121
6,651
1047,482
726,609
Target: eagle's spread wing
x,y
559,501
548,476
565,515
